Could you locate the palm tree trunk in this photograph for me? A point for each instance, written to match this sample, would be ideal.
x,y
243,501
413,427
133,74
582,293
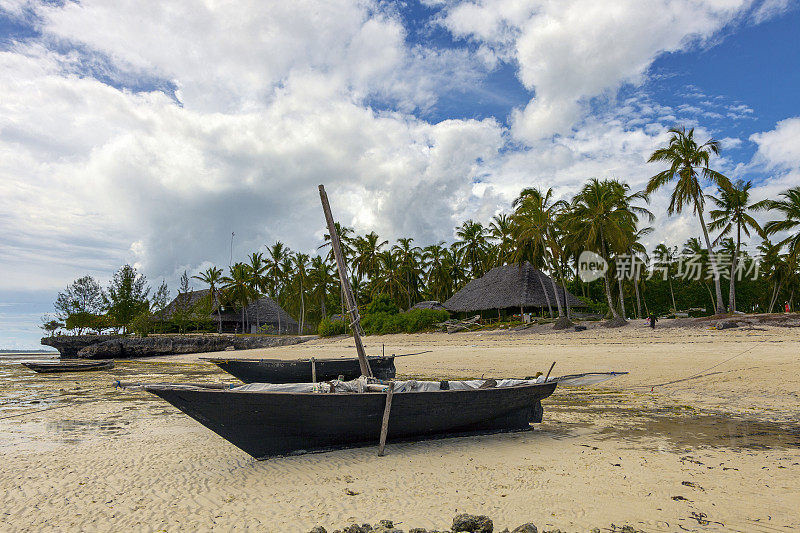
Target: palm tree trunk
x,y
302,310
775,295
546,296
720,306
558,297
710,295
638,298
611,307
732,291
621,298
672,293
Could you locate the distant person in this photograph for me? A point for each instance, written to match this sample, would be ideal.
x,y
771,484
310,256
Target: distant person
x,y
652,319
786,307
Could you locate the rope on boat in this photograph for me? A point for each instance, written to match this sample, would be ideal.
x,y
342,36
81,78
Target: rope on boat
x,y
700,374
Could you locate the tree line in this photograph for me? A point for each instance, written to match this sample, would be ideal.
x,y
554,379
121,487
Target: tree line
x,y
605,217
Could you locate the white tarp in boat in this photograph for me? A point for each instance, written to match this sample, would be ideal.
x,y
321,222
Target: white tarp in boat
x,y
363,384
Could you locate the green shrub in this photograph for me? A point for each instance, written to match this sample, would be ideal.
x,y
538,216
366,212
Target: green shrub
x,y
410,322
424,319
328,327
382,303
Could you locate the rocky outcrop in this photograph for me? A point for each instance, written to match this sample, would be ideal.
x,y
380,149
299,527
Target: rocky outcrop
x,y
116,347
70,345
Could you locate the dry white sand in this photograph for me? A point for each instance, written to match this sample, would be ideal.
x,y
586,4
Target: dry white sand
x,y
727,441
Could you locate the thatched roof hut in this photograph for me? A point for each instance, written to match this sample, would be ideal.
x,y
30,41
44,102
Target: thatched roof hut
x,y
264,311
509,287
430,304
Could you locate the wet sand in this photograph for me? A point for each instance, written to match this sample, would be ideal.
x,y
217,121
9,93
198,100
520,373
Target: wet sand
x,y
718,452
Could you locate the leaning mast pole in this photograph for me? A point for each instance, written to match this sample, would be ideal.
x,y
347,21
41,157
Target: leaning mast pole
x,y
352,309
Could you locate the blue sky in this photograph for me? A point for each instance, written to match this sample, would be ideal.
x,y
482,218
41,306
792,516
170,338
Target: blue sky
x,y
139,132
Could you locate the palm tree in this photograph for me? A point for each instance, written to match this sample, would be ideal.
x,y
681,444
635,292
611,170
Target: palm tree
x,y
258,280
637,249
688,162
501,230
390,279
603,219
667,256
301,276
238,287
732,212
213,278
321,277
698,260
367,248
278,255
472,247
438,283
534,229
789,206
408,259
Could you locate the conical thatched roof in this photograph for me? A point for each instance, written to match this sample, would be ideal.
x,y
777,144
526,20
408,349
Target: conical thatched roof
x,y
430,304
187,301
264,310
508,286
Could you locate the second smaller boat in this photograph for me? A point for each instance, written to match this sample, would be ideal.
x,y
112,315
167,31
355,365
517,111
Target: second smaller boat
x,y
303,370
70,365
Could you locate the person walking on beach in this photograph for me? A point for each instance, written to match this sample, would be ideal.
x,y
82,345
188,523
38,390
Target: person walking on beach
x,y
786,307
653,319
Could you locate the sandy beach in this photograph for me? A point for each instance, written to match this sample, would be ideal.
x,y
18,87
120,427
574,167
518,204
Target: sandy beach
x,y
719,451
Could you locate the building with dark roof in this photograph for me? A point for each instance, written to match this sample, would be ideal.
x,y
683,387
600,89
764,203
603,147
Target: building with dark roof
x,y
514,287
262,312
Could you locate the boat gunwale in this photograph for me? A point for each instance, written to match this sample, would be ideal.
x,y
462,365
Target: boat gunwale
x,y
216,360
150,388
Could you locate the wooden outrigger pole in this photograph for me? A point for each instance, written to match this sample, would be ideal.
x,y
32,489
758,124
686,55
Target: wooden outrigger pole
x,y
352,308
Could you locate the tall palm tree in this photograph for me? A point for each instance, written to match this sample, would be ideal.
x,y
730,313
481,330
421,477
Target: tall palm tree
x,y
238,288
666,256
733,205
258,280
279,254
408,258
534,230
699,261
472,246
301,276
501,230
366,250
212,277
603,219
439,281
321,277
688,162
390,279
637,249
789,207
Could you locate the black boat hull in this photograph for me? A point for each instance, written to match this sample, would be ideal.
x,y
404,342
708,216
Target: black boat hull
x,y
267,424
299,371
50,367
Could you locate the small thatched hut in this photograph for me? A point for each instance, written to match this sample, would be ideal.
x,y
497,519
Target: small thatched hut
x,y
430,304
261,312
513,287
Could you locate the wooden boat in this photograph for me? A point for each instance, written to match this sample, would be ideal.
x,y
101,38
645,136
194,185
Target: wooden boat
x,y
302,370
267,423
69,365
267,419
